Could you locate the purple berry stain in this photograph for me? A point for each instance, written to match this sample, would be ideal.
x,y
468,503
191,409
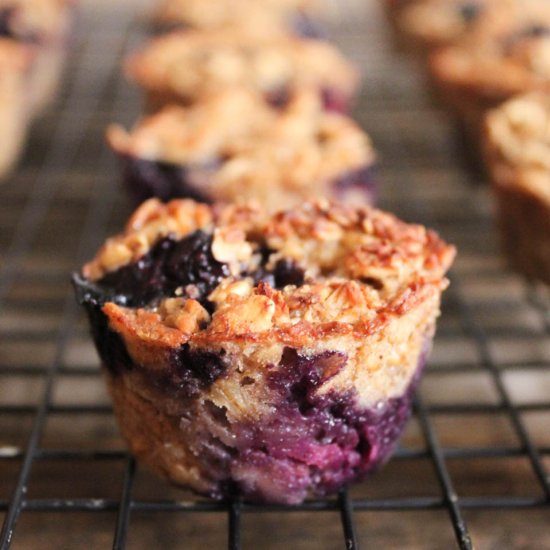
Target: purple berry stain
x,y
311,443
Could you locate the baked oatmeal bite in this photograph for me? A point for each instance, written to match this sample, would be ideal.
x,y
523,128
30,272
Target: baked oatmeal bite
x,y
511,56
295,15
16,61
233,146
517,150
431,24
33,20
185,66
270,356
43,25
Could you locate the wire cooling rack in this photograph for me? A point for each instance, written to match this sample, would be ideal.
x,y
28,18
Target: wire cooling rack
x,y
473,465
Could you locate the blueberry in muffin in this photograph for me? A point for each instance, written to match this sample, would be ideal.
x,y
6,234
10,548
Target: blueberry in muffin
x,y
271,356
235,146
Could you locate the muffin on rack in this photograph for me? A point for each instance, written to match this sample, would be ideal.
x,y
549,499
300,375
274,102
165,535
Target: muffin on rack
x,y
44,25
429,24
511,56
296,15
233,146
185,66
272,356
16,61
517,150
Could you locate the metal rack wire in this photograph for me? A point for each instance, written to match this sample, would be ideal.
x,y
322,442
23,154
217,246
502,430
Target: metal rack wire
x,y
473,465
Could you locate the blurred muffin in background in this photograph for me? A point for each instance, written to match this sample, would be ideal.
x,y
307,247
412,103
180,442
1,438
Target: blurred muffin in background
x,y
299,16
517,151
507,56
234,146
16,60
44,25
185,66
428,24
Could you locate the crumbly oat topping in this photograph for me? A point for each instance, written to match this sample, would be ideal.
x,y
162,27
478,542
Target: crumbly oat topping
x,y
250,149
192,64
361,267
518,143
201,14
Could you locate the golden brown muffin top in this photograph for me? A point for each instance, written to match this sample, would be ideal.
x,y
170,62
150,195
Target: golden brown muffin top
x,y
359,268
